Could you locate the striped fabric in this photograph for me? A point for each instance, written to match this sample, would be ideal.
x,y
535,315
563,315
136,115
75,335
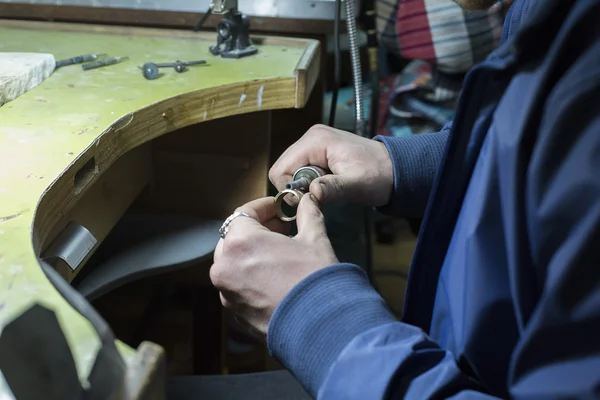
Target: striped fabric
x,y
439,31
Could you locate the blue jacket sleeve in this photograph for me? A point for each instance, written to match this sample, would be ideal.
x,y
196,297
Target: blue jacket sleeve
x,y
336,335
416,160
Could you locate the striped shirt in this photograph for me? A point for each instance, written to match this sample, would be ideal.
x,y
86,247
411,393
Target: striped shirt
x,y
440,31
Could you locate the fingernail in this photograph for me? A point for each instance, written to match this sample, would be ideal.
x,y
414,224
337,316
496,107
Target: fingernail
x,y
324,190
314,199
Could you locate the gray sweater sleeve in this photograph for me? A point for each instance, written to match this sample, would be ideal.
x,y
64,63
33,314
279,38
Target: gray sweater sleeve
x,y
416,160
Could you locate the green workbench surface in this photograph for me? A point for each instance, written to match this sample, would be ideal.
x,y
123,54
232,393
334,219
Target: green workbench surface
x,y
48,131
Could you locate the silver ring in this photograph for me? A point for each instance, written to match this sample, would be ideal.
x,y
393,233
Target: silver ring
x,y
225,227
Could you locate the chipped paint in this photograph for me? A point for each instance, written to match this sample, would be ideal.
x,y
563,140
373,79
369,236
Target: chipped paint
x,y
123,122
259,96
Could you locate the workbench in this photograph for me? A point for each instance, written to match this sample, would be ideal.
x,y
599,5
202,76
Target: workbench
x,y
84,147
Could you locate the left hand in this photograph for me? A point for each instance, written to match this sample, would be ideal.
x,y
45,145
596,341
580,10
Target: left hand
x,y
256,264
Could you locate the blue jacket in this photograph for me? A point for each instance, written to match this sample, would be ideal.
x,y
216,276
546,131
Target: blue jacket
x,y
503,299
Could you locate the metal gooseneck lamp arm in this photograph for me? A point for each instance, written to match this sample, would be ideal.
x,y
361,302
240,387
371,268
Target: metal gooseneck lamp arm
x,y
361,128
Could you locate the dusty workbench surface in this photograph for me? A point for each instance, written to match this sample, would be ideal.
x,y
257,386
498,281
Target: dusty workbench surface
x,y
53,130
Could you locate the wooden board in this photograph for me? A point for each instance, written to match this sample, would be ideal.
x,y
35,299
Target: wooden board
x,y
211,168
108,198
159,18
20,72
53,131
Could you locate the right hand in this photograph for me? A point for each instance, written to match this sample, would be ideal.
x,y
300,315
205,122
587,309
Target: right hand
x,y
361,169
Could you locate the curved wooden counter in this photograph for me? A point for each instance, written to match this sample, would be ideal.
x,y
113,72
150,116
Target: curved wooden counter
x,y
84,121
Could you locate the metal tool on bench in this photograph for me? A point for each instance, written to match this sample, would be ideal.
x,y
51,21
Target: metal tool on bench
x,y
150,69
299,185
103,63
233,37
79,59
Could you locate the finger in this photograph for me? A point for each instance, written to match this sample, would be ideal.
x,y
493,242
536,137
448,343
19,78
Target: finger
x,y
261,210
331,187
218,250
309,218
278,226
304,152
290,200
228,301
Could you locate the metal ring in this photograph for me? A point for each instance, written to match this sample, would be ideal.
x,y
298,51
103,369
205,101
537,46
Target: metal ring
x,y
225,227
279,201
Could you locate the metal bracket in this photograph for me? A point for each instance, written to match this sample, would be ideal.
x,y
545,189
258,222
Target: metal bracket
x,y
233,38
72,245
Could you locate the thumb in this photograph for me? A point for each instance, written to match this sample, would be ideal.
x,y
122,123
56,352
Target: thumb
x,y
309,218
329,188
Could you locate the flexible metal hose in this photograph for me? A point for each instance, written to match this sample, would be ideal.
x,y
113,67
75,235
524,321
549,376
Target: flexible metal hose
x,y
356,68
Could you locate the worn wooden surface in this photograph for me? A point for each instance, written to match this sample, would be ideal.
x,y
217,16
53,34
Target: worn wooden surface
x,y
166,19
20,72
78,119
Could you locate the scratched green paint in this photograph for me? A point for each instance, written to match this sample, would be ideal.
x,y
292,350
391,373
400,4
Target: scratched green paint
x,y
45,129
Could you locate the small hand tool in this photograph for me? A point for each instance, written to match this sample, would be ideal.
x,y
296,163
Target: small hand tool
x,y
79,59
102,63
299,185
302,178
150,69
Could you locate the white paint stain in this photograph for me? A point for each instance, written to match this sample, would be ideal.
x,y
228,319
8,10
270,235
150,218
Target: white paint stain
x,y
212,104
15,269
242,98
205,115
259,96
30,290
